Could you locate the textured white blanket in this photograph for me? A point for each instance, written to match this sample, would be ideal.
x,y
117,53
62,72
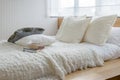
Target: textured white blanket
x,y
52,63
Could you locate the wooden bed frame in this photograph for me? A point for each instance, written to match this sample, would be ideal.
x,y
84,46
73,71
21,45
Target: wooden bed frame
x,y
117,23
110,71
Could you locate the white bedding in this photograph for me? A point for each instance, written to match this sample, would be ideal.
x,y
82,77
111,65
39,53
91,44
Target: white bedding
x,y
53,62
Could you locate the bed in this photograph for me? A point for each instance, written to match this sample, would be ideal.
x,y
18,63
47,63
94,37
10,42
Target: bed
x,y
57,61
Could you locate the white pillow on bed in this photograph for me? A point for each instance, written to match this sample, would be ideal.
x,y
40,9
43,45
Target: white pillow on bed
x,y
99,29
64,22
115,36
42,40
72,29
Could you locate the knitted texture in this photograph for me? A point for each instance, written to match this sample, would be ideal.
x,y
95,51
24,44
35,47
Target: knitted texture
x,y
52,63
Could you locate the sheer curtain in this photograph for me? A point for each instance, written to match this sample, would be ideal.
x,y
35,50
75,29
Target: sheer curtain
x,y
83,7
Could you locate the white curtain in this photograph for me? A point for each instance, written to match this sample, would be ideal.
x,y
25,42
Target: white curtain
x,y
83,7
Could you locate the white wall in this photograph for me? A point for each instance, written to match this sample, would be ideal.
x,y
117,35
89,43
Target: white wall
x,y
15,14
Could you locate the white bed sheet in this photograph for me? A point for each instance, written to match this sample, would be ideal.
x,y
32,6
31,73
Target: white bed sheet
x,y
18,65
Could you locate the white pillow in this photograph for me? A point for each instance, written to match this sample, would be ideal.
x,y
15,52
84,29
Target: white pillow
x,y
99,29
73,30
64,22
115,36
39,39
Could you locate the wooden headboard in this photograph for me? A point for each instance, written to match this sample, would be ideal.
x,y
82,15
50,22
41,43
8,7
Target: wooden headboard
x,y
117,23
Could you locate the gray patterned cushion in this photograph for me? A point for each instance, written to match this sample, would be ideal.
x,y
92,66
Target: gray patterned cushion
x,y
24,32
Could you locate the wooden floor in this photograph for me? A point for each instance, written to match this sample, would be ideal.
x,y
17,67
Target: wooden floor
x,y
107,72
115,78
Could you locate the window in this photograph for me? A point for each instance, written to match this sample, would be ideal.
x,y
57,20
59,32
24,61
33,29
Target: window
x,y
83,7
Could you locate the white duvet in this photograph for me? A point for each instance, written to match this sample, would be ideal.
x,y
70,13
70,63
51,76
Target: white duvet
x,y
53,62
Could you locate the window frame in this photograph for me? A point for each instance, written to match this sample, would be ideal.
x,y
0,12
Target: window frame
x,y
76,6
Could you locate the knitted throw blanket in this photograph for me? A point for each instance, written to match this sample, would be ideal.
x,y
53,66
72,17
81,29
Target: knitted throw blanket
x,y
52,63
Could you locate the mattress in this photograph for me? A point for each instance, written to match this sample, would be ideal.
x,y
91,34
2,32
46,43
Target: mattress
x,y
53,62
